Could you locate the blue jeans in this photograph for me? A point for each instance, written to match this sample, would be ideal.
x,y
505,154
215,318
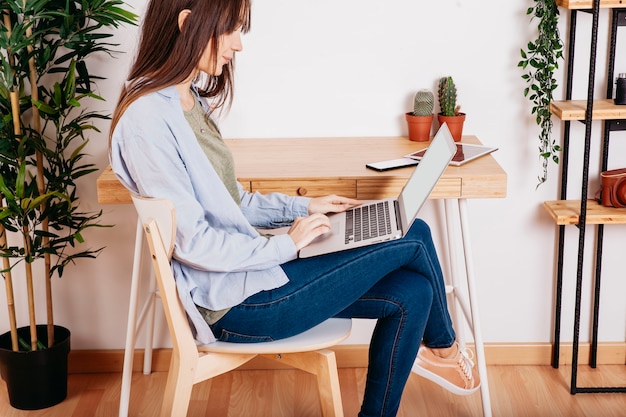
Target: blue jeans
x,y
399,283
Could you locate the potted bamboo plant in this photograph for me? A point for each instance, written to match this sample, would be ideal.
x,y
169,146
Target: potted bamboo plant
x,y
44,126
450,112
420,120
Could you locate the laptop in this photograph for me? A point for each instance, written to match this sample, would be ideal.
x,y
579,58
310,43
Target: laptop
x,y
377,221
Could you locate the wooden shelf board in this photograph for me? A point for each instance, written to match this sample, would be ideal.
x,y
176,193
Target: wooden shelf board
x,y
566,212
604,109
588,4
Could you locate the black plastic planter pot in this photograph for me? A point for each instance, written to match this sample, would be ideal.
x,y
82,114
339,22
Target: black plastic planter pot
x,y
38,379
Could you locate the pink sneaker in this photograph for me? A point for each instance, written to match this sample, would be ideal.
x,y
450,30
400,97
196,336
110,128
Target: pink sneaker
x,y
456,374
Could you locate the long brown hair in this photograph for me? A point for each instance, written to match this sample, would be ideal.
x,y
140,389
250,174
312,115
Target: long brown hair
x,y
168,55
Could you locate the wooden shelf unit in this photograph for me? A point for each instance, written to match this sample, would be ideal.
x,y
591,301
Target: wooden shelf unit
x,y
585,211
588,4
603,109
567,212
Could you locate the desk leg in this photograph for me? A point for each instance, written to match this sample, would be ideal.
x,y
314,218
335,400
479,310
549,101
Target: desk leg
x,y
457,306
465,249
129,350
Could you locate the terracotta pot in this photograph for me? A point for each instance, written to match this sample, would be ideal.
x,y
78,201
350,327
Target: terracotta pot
x,y
419,127
455,124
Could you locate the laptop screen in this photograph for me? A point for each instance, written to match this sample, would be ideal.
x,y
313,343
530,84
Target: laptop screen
x,y
426,174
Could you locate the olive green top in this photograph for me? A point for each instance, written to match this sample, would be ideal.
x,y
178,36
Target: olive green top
x,y
211,142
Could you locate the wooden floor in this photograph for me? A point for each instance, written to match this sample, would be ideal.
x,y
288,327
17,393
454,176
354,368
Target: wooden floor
x,y
516,391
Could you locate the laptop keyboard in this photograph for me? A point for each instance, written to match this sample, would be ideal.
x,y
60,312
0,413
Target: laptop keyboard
x,y
368,222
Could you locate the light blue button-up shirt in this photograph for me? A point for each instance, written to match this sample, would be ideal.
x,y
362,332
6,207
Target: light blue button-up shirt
x,y
219,257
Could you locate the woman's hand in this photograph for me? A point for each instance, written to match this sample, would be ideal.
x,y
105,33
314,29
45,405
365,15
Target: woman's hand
x,y
331,204
305,229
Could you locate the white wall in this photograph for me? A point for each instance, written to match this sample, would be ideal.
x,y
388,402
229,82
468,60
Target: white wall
x,y
350,68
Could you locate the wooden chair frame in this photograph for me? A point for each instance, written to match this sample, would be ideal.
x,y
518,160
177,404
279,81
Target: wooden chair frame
x,y
192,363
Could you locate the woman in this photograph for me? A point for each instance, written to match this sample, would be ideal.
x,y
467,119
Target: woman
x,y
239,285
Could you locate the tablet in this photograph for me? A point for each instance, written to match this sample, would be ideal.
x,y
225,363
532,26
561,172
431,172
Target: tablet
x,y
465,152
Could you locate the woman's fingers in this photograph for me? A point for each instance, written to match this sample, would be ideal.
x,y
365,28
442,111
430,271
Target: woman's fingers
x,y
305,229
331,204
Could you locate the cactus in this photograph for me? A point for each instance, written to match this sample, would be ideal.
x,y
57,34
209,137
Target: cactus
x,y
424,103
447,97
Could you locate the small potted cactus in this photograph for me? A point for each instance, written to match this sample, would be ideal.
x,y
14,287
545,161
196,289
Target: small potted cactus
x,y
420,119
450,113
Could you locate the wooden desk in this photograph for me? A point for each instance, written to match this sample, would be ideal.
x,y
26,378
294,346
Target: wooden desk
x,y
319,166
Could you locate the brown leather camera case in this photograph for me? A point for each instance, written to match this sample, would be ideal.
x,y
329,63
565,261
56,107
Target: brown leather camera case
x,y
613,193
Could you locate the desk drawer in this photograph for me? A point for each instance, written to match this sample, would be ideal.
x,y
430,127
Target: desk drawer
x,y
307,188
390,187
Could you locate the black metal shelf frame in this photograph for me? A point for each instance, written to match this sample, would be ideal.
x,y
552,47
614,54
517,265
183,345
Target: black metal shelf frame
x,y
618,19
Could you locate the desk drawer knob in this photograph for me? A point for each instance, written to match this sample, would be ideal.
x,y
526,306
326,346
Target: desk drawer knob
x,y
302,191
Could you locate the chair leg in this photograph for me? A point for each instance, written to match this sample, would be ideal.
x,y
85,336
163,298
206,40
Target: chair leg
x,y
321,363
151,314
328,384
177,389
131,330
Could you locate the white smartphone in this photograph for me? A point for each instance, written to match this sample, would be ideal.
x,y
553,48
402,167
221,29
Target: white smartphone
x,y
392,164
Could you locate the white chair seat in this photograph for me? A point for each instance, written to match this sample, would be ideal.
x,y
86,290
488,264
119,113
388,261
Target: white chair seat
x,y
324,335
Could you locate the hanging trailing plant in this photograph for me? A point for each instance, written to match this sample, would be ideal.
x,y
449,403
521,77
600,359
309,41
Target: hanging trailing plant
x,y
539,61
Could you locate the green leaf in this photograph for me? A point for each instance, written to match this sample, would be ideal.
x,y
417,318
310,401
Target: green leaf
x,y
34,203
26,346
4,190
70,81
19,182
43,107
58,95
